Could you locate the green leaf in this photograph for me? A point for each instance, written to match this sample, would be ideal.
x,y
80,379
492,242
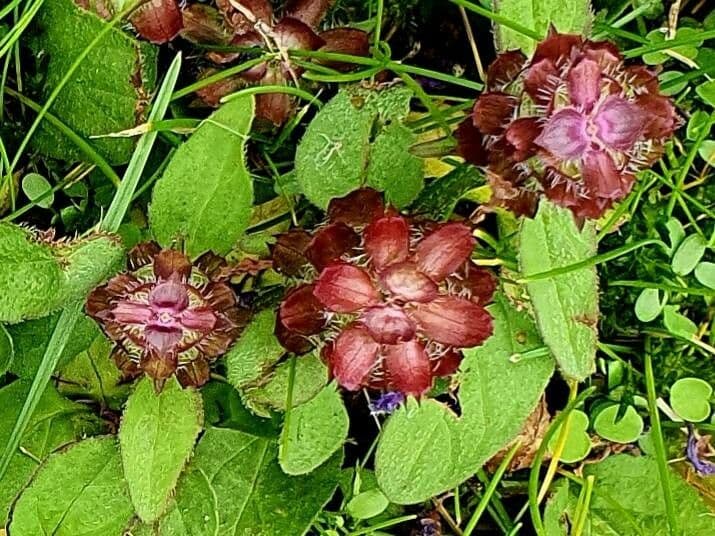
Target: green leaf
x,y
628,500
648,305
426,449
337,155
439,197
196,508
256,352
30,275
705,274
392,168
205,196
688,254
627,429
565,306
35,186
39,277
107,93
331,157
253,495
311,375
578,443
314,432
677,323
676,233
80,491
157,437
367,504
690,398
707,151
706,91
55,423
573,17
92,374
7,350
31,338
697,122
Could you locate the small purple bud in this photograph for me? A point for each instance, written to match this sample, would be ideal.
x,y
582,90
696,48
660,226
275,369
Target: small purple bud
x,y
387,403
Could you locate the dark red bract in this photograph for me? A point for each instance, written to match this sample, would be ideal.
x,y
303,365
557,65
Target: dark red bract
x,y
394,300
167,316
574,123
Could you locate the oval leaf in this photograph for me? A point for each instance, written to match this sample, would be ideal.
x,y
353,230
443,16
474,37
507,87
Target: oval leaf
x,y
314,431
252,494
80,491
648,305
625,429
690,398
688,254
157,437
205,195
426,449
565,306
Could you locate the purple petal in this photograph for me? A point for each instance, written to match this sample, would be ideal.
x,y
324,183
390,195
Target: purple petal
x,y
199,318
387,403
453,321
387,241
129,312
601,176
584,82
619,123
564,134
169,295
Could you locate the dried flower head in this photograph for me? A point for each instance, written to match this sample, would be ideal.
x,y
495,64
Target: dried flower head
x,y
167,316
246,24
574,123
394,300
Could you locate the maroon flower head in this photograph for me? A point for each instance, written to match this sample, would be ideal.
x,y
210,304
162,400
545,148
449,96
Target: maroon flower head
x,y
393,302
574,123
167,316
253,23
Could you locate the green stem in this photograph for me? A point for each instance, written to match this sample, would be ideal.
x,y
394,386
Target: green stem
x,y
539,457
593,261
491,489
585,503
262,90
669,288
218,77
383,525
499,19
659,444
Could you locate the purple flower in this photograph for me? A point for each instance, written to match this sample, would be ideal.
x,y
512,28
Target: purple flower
x,y
574,123
167,316
693,453
387,403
